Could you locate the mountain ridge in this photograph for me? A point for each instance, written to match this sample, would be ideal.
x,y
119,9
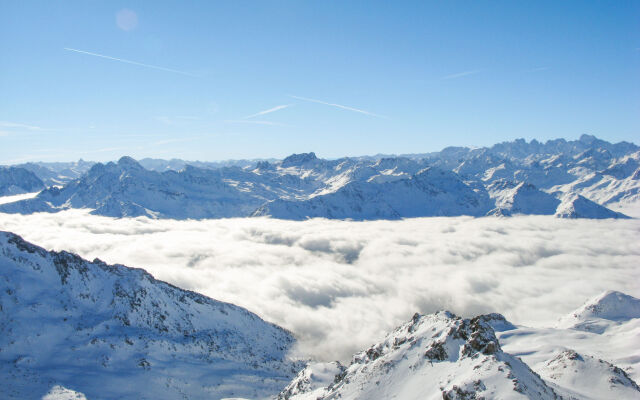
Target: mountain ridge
x,y
103,329
569,179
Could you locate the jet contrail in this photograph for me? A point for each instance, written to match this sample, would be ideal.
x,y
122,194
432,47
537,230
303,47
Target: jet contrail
x,y
338,106
131,62
276,108
459,75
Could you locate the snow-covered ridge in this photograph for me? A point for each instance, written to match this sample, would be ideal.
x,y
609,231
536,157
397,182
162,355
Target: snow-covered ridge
x,y
444,356
14,181
431,356
568,179
105,330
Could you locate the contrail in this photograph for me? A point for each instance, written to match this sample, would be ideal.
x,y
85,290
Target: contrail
x,y
131,62
459,75
338,106
276,108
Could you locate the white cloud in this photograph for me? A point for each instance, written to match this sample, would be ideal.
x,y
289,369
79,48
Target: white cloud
x,y
340,285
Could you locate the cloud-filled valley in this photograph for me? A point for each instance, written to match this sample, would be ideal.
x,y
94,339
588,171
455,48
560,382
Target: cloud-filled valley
x,y
340,285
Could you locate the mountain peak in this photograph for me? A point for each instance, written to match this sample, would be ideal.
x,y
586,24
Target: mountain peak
x,y
295,160
601,311
574,205
462,359
587,139
128,162
612,305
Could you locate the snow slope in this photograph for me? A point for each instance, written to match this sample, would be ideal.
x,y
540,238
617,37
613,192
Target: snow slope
x,y
112,332
591,354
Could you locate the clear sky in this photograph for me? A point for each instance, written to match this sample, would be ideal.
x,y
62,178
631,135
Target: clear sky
x,y
236,79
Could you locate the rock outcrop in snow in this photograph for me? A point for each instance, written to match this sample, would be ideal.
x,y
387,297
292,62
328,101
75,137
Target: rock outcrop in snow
x,y
112,332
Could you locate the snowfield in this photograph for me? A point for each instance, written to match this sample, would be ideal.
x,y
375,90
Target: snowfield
x,y
340,286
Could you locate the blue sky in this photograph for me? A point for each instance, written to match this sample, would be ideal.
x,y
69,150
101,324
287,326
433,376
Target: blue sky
x,y
237,79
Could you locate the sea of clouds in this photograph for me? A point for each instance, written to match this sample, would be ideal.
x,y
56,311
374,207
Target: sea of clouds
x,y
339,286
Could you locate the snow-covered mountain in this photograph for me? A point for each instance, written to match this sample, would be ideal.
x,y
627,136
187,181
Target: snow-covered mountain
x,y
111,332
430,192
572,179
15,180
590,354
57,173
444,356
431,356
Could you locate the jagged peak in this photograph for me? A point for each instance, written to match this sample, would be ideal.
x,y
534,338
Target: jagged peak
x,y
461,357
299,159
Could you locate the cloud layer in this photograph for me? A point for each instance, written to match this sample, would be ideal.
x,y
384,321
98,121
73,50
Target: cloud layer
x,y
341,285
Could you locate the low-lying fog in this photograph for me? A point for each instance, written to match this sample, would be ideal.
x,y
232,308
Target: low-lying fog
x,y
341,285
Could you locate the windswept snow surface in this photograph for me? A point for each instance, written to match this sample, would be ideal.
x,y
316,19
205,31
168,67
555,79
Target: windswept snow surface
x,y
340,286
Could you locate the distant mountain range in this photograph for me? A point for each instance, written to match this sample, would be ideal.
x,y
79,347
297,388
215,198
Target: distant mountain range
x,y
583,178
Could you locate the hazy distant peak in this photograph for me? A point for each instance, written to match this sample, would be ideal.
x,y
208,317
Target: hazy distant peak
x,y
295,160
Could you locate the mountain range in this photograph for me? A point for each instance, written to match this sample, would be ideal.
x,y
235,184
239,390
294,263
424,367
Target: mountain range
x,y
585,178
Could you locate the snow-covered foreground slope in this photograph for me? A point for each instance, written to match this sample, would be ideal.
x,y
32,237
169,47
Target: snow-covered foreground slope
x,y
443,356
112,332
